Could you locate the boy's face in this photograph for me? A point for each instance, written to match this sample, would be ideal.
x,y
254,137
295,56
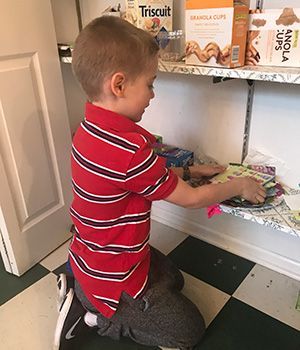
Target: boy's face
x,y
139,92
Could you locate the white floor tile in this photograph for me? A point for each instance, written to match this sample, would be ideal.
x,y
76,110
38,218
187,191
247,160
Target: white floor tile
x,y
271,293
208,299
56,258
28,320
165,238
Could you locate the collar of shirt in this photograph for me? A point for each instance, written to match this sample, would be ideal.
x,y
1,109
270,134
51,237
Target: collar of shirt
x,y
114,121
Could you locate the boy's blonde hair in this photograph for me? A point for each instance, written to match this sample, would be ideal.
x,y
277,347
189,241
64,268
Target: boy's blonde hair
x,y
107,45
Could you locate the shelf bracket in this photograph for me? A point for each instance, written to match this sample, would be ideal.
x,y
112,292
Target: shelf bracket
x,y
79,17
250,97
217,80
259,4
251,88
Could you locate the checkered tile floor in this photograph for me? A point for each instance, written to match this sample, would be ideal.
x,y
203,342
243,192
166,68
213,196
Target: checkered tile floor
x,y
246,306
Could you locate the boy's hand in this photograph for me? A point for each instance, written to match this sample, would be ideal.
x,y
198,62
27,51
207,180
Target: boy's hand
x,y
197,171
250,190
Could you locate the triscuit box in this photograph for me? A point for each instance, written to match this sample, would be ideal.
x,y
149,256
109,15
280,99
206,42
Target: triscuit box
x,y
273,38
216,32
154,16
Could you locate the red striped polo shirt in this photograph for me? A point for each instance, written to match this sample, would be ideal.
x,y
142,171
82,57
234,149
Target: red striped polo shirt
x,y
115,177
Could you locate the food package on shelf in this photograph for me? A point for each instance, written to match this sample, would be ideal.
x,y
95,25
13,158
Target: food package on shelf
x,y
216,32
154,16
273,38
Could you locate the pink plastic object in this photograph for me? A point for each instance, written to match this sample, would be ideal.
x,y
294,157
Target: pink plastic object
x,y
213,210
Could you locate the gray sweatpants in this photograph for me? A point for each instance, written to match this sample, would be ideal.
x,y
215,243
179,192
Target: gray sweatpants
x,y
162,317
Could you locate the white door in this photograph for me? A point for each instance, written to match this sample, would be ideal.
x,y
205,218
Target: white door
x,y
35,137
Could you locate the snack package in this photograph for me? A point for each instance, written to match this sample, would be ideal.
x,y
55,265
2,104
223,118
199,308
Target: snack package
x,y
239,170
273,38
175,156
216,32
154,16
265,175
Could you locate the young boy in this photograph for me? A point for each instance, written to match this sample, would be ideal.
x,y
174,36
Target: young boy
x,y
124,287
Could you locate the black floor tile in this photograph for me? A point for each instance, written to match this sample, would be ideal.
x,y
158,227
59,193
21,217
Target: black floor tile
x,y
61,269
238,326
12,285
210,264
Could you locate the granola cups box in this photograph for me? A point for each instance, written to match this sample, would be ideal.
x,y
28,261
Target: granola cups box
x,y
274,38
216,32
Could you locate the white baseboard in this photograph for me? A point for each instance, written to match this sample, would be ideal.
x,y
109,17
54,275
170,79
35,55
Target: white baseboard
x,y
273,249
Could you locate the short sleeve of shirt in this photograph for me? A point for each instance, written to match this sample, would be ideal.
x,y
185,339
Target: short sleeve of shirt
x,y
148,175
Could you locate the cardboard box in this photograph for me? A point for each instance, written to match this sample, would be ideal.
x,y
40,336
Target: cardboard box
x,y
154,16
216,32
175,156
274,38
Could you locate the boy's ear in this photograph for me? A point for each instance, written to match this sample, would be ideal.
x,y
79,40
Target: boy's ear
x,y
117,84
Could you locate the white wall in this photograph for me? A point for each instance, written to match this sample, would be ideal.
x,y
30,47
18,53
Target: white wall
x,y
275,126
65,20
191,112
75,97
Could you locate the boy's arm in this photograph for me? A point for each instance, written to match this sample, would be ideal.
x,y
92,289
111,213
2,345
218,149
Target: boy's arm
x,y
206,195
200,170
